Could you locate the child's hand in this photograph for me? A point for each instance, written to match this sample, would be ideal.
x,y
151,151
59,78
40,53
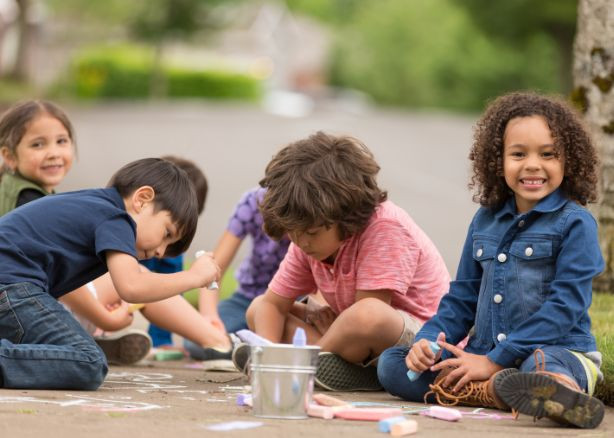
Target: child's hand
x,y
119,317
468,367
321,317
206,269
420,358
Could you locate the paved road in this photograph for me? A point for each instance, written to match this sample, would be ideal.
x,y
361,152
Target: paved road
x,y
168,400
423,156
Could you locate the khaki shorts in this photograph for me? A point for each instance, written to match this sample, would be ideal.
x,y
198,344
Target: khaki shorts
x,y
411,326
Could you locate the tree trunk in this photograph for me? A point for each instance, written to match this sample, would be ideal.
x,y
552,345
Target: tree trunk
x,y
594,94
22,61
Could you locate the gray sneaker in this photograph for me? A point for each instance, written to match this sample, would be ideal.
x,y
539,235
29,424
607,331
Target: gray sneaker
x,y
126,347
336,374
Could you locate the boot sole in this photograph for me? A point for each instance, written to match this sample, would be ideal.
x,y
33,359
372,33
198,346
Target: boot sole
x,y
336,374
539,395
126,349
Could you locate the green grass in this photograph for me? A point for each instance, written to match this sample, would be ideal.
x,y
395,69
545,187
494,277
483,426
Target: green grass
x,y
229,285
602,315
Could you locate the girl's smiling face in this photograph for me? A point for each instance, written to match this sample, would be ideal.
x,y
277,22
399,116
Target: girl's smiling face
x,y
532,166
45,153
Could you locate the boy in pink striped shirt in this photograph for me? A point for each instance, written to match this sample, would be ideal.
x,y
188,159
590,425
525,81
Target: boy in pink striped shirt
x,y
379,273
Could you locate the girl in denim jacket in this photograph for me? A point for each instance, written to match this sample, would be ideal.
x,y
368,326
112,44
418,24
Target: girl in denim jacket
x,y
524,283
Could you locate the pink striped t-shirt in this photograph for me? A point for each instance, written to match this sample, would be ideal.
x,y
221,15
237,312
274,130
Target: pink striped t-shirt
x,y
391,253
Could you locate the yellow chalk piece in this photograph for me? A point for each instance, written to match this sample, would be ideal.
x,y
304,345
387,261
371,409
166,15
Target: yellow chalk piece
x,y
134,307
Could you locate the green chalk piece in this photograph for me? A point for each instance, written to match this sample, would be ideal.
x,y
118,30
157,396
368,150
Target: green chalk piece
x,y
168,355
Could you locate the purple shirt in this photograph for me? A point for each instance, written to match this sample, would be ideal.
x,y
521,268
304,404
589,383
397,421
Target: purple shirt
x,y
258,268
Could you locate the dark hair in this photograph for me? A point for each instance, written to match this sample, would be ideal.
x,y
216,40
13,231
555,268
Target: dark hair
x,y
571,139
320,181
174,192
196,176
14,121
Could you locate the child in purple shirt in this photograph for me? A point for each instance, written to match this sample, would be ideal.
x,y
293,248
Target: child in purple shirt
x,y
253,275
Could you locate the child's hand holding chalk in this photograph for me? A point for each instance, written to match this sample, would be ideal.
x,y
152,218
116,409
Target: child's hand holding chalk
x,y
213,285
418,355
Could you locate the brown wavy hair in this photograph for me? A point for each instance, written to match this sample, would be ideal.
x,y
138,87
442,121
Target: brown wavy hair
x,y
571,139
320,181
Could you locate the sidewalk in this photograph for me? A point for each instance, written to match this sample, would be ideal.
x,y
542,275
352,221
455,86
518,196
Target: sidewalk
x,y
175,399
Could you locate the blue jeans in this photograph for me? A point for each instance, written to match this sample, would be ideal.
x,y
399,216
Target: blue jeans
x,y
232,313
42,346
392,371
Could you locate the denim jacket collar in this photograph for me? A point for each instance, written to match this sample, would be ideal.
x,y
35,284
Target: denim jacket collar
x,y
553,202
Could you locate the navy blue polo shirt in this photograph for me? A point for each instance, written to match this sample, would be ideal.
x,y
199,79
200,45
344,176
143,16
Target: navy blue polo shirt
x,y
59,242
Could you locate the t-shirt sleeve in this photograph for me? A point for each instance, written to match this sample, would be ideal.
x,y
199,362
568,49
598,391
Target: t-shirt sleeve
x,y
243,219
28,195
387,257
294,277
115,234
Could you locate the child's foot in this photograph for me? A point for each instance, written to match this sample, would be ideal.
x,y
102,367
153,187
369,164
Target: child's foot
x,y
337,374
125,348
552,396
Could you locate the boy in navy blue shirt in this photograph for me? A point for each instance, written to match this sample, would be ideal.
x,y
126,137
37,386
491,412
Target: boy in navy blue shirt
x,y
53,245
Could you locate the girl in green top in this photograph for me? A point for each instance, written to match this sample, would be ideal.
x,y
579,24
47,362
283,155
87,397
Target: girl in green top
x,y
37,148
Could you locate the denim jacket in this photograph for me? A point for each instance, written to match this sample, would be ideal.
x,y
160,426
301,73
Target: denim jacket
x,y
524,281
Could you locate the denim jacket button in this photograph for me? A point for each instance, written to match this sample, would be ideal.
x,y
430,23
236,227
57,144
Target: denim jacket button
x,y
521,224
497,298
501,337
528,251
479,252
502,258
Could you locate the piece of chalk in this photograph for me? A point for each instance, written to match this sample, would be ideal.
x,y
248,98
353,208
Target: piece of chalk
x,y
320,411
244,399
413,375
327,400
368,414
168,355
252,338
134,307
406,427
385,424
443,413
213,285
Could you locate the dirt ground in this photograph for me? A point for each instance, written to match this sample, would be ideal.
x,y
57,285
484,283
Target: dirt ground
x,y
177,399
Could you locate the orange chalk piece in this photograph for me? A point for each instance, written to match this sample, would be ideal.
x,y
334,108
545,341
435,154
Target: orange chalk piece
x,y
327,400
320,411
368,414
402,428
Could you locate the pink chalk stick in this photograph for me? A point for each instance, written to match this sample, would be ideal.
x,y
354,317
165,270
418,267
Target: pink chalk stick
x,y
320,411
368,414
443,413
404,428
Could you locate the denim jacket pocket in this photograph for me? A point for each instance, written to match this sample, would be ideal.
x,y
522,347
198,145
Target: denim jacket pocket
x,y
10,327
534,270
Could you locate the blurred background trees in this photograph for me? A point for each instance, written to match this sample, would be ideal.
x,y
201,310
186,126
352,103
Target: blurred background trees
x,y
450,54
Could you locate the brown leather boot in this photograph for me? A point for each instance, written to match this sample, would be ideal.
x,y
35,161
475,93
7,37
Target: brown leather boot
x,y
482,393
556,396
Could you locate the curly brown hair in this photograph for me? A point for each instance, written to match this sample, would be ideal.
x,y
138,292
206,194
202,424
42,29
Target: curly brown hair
x,y
320,181
570,136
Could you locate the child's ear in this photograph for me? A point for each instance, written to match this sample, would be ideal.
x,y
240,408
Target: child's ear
x,y
142,196
8,158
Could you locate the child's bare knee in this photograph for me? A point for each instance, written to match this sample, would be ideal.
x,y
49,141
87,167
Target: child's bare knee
x,y
251,311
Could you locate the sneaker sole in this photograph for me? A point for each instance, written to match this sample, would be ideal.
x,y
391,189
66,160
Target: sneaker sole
x,y
126,349
336,374
240,358
542,396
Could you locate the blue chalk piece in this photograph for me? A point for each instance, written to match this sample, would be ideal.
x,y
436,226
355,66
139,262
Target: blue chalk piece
x,y
385,424
300,337
413,375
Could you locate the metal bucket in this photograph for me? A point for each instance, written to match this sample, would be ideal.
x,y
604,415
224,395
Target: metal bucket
x,y
282,380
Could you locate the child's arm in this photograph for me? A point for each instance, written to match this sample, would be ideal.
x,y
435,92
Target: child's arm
x,y
223,254
82,302
137,286
271,314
